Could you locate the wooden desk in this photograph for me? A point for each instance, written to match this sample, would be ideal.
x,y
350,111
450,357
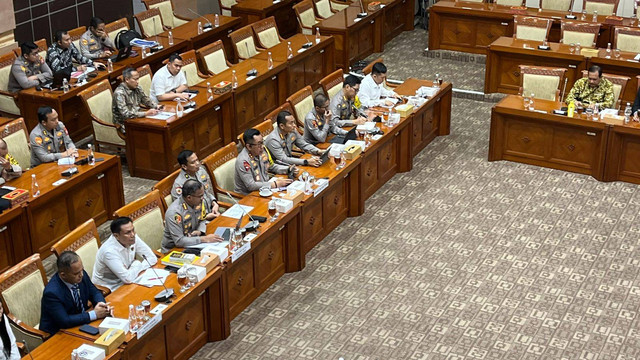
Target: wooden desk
x,y
554,141
307,67
354,40
624,66
154,60
505,55
60,346
397,16
153,145
94,193
251,11
622,162
14,237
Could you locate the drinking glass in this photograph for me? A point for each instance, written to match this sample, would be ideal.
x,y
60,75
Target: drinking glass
x,y
616,53
436,83
526,100
237,239
336,160
272,210
367,139
140,314
589,112
572,48
192,275
147,308
182,279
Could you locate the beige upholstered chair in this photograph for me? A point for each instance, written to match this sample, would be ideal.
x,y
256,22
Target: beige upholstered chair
x,y
21,289
302,102
190,68
147,214
266,32
306,15
213,58
323,8
169,18
164,186
16,136
543,82
619,85
244,45
150,22
98,99
75,35
585,34
272,118
8,101
531,28
603,7
113,28
475,1
144,81
84,241
42,48
556,5
627,39
636,13
332,83
222,168
265,127
511,2
338,5
225,6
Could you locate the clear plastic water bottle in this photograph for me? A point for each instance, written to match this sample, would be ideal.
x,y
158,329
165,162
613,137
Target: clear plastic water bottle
x,y
269,61
627,113
531,103
584,15
143,52
318,35
109,65
90,155
35,188
179,108
216,20
199,27
170,38
289,50
209,92
133,321
595,16
234,79
608,56
65,85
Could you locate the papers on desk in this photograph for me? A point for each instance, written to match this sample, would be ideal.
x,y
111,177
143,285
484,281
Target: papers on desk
x,y
301,50
356,19
360,143
637,57
66,161
427,91
162,115
78,74
296,185
235,212
367,126
152,278
143,43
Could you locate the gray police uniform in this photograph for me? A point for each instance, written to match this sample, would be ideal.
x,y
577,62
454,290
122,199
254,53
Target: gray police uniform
x,y
280,146
251,174
316,128
343,110
180,220
47,146
92,46
201,176
22,69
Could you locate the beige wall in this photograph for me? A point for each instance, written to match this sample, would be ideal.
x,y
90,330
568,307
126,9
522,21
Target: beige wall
x,y
7,25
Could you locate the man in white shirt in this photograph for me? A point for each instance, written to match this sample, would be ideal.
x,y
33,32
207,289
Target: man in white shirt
x,y
372,90
115,261
169,82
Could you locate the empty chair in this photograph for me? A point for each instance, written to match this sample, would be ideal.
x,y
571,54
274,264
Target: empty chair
x,y
16,136
306,15
603,7
8,100
627,39
585,34
213,58
98,99
164,186
169,18
267,33
190,68
475,1
543,82
150,22
619,86
113,28
338,5
75,35
531,28
332,83
302,102
244,45
556,5
323,8
225,6
222,168
147,214
511,2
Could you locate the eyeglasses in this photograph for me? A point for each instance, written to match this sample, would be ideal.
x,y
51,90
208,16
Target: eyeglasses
x,y
258,144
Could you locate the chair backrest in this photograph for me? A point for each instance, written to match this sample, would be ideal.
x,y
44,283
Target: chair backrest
x,y
148,25
337,5
75,35
42,48
144,81
99,99
543,82
225,6
511,2
213,58
627,39
84,241
302,102
556,5
113,28
531,28
166,10
243,43
222,167
190,67
573,32
636,13
266,31
619,85
306,15
147,214
323,8
603,7
7,103
265,128
16,136
332,83
21,289
164,186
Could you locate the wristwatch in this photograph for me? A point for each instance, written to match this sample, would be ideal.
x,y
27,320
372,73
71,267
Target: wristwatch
x,y
306,162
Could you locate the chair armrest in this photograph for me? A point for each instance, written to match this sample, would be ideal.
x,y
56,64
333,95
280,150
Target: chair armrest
x,y
104,290
225,205
21,348
203,76
6,93
181,17
26,328
232,193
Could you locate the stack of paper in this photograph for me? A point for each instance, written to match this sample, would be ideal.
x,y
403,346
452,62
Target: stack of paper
x,y
152,278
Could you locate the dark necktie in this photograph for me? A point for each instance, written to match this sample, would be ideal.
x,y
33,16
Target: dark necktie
x,y
76,298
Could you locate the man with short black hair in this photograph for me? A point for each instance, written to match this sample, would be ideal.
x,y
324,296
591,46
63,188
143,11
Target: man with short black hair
x,y
592,90
280,142
169,82
345,106
29,69
116,262
66,298
95,43
372,89
10,167
128,98
320,121
186,219
62,53
50,139
191,168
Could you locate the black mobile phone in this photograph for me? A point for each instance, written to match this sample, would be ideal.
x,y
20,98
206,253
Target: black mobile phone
x,y
91,330
99,159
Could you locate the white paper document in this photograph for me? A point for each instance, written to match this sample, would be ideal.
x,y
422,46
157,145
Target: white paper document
x,y
235,212
162,115
152,278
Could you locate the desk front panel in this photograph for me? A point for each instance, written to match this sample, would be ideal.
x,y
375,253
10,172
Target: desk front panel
x,y
253,102
14,237
623,154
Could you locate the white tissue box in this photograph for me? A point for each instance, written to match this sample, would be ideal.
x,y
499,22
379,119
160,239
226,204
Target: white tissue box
x,y
218,251
283,205
201,271
114,323
88,352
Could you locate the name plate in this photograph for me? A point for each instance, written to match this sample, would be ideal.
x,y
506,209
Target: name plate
x,y
238,253
321,186
149,325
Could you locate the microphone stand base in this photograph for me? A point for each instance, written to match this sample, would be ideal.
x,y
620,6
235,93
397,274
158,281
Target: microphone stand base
x,y
164,296
307,45
252,72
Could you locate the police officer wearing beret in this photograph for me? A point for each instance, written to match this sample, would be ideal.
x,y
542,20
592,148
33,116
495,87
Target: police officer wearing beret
x,y
192,169
29,69
50,140
186,219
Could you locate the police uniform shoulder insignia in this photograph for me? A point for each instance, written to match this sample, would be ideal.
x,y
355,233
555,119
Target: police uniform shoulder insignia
x,y
187,217
293,138
84,41
66,131
38,140
179,190
48,147
59,133
24,68
246,165
184,206
203,176
178,218
314,123
46,139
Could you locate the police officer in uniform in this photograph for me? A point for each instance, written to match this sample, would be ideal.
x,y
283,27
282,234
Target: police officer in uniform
x,y
29,69
50,139
318,122
253,163
95,43
280,142
345,105
192,169
186,219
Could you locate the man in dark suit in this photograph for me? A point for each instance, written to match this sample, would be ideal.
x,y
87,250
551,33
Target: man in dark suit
x,y
65,301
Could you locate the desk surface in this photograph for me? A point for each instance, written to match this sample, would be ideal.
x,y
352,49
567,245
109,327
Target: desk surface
x,y
190,30
260,5
241,69
60,346
345,18
279,52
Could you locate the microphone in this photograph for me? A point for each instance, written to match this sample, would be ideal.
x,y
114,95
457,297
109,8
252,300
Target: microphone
x,y
563,89
253,71
363,13
207,24
158,47
308,44
253,224
26,346
164,295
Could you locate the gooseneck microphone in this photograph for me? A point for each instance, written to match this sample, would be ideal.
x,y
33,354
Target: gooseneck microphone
x,y
253,224
164,295
253,71
308,44
207,24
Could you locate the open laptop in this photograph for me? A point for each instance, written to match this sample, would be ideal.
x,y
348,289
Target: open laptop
x,y
351,135
58,78
121,54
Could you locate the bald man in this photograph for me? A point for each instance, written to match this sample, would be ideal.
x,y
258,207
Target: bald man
x,y
10,167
